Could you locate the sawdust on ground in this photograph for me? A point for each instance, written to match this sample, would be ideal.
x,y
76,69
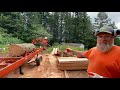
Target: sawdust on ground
x,y
46,69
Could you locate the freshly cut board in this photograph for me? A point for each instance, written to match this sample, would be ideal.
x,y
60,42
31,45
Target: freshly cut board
x,y
15,50
72,63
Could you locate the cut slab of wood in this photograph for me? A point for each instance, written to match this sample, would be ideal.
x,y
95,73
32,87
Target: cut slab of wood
x,y
15,50
53,51
72,63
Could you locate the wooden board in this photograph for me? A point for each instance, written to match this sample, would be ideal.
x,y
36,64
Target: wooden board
x,y
72,63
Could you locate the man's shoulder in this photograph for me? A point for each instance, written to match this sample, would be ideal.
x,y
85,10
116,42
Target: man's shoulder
x,y
93,48
116,47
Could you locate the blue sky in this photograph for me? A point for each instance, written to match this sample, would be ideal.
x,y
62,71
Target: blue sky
x,y
114,16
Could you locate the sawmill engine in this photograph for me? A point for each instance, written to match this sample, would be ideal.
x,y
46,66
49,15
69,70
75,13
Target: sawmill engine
x,y
40,41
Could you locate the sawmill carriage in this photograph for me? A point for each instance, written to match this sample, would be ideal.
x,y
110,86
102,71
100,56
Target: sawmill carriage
x,y
18,54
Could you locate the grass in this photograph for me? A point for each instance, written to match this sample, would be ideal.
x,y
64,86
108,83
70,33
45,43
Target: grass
x,y
63,47
4,46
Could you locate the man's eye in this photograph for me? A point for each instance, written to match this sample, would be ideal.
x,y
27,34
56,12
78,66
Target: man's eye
x,y
100,36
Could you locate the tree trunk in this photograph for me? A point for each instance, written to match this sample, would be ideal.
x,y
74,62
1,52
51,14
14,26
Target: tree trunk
x,y
15,50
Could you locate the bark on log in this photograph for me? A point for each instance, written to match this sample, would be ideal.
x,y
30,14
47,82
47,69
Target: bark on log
x,y
72,63
15,50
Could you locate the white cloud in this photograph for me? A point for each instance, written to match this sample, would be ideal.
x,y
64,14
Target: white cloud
x,y
118,25
92,15
114,16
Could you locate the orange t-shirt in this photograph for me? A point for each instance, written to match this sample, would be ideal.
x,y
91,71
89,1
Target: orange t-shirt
x,y
104,64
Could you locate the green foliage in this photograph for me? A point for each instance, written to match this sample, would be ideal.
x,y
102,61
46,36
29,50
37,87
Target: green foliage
x,y
12,22
117,41
7,38
83,30
39,31
4,46
33,27
12,40
59,27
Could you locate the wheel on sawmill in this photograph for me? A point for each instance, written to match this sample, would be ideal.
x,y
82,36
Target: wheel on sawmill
x,y
38,60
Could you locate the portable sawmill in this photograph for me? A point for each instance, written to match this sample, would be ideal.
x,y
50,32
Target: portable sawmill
x,y
18,54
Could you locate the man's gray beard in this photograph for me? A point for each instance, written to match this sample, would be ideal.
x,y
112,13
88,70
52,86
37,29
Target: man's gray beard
x,y
104,47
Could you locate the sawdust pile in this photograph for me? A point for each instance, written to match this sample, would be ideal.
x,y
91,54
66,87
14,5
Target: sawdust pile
x,y
47,69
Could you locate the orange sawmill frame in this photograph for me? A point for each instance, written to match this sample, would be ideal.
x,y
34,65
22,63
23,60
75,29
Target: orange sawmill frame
x,y
19,61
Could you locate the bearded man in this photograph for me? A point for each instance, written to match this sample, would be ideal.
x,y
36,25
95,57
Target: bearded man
x,y
104,58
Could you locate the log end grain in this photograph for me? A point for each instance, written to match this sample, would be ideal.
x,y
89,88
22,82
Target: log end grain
x,y
15,50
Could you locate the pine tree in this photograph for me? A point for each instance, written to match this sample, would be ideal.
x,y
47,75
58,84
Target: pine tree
x,y
103,19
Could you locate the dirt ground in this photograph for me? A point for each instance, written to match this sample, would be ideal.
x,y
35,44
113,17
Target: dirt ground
x,y
46,69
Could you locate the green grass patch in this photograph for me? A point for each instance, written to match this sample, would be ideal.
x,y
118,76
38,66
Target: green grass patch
x,y
4,46
63,47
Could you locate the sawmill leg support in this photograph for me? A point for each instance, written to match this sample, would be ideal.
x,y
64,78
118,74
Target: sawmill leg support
x,y
21,72
38,60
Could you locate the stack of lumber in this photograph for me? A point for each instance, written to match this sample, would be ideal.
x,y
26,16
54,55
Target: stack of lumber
x,y
15,50
56,52
72,63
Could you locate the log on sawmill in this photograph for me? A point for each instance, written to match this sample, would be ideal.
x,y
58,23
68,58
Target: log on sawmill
x,y
15,50
72,63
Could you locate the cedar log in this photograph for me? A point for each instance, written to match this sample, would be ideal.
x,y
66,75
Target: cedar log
x,y
15,50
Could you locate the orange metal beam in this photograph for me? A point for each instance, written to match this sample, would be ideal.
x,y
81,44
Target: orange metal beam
x,y
10,58
6,70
